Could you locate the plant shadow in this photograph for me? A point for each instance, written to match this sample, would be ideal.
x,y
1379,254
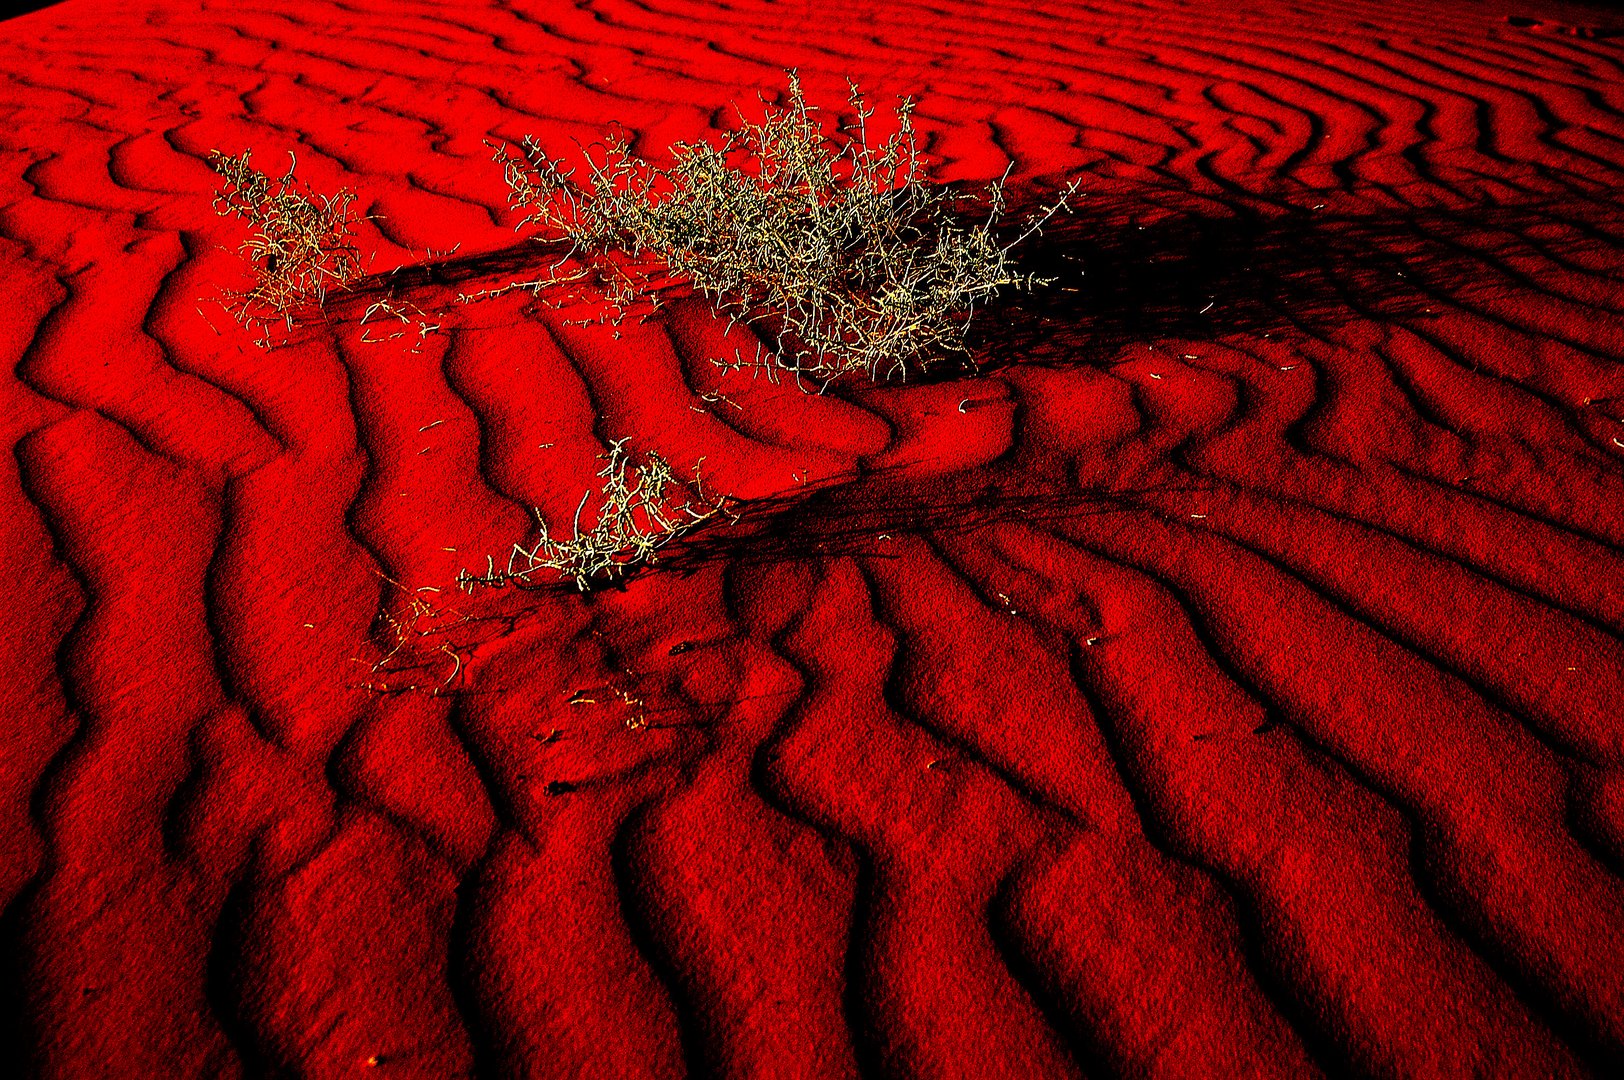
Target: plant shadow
x,y
1120,276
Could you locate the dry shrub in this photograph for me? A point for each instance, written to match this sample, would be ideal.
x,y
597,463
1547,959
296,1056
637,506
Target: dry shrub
x,y
300,245
839,249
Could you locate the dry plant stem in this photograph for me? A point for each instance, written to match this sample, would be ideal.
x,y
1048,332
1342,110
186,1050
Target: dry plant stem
x,y
638,513
300,245
840,250
407,314
403,668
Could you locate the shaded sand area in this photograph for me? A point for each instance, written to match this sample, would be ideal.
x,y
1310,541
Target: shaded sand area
x,y
1225,682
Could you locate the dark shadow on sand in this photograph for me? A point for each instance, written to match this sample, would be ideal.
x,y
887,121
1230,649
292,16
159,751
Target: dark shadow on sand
x,y
1197,277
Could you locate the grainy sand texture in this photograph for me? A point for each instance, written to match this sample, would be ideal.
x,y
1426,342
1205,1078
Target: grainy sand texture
x,y
1228,680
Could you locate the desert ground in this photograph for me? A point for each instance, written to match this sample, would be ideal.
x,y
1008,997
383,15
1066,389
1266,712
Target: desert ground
x,y
1221,675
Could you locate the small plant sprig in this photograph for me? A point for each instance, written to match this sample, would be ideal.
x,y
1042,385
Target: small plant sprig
x,y
841,250
300,245
642,508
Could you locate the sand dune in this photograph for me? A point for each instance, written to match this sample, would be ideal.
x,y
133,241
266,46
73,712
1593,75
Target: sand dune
x,y
1226,681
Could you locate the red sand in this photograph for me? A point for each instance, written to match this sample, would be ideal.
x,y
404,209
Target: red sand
x,y
1231,687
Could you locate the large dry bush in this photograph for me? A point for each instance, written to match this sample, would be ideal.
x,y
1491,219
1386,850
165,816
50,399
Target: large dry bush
x,y
838,248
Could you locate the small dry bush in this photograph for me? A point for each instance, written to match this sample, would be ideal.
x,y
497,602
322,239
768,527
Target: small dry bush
x,y
642,507
841,250
300,245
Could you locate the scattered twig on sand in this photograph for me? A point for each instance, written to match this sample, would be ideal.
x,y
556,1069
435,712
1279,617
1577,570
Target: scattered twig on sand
x,y
406,314
406,666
